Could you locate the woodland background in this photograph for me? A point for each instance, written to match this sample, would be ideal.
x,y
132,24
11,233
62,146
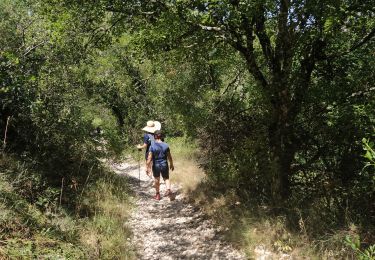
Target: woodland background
x,y
277,95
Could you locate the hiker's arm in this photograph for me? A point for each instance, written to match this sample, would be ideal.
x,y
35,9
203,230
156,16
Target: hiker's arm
x,y
141,146
171,166
148,163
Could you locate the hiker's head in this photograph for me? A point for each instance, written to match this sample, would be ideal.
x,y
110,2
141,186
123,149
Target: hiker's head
x,y
158,134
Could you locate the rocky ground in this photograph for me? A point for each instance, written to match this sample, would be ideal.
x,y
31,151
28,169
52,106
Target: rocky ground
x,y
171,229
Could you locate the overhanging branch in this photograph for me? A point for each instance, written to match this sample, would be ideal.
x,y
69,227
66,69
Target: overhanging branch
x,y
363,41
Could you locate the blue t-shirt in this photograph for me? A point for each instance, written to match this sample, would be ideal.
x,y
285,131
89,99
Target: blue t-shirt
x,y
159,153
148,139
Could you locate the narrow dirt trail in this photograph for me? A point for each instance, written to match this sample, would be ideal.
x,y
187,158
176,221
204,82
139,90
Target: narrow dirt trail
x,y
171,229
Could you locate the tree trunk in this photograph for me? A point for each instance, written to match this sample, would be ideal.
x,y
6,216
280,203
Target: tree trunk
x,y
280,135
283,155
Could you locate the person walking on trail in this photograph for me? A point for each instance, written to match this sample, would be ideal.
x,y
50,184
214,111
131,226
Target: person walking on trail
x,y
148,137
158,157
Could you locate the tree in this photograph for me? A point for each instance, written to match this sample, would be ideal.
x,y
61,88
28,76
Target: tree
x,y
281,42
305,57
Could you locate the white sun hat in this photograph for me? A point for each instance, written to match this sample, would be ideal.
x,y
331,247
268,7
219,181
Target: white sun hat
x,y
157,125
150,127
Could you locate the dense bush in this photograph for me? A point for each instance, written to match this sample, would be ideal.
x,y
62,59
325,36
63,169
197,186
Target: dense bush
x,y
51,122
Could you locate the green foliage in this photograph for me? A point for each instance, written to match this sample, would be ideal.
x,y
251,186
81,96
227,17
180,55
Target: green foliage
x,y
278,96
364,254
49,120
183,147
44,102
28,232
370,153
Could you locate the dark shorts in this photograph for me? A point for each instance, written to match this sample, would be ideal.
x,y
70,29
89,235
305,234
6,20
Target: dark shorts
x,y
162,169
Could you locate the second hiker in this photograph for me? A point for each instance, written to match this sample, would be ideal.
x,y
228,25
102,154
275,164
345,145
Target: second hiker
x,y
158,157
148,137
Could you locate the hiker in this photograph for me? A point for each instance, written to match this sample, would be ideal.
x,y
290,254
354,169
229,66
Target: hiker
x,y
158,157
148,137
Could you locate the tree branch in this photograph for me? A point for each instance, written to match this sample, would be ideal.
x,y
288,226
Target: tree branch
x,y
308,62
367,38
248,51
105,32
31,48
264,40
356,46
235,79
210,28
251,63
283,48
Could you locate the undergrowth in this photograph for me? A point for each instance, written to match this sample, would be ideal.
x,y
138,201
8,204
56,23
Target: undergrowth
x,y
251,227
92,229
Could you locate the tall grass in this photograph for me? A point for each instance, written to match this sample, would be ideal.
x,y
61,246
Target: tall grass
x,y
105,233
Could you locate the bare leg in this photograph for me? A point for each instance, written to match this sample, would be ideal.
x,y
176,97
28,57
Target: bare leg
x,y
148,173
157,184
167,184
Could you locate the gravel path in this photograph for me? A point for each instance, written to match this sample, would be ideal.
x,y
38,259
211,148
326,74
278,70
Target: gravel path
x,y
171,229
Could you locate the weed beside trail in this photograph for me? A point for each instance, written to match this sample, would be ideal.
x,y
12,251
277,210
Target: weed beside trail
x,y
105,233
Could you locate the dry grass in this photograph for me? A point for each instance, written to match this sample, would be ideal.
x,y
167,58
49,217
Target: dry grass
x,y
187,172
246,230
251,228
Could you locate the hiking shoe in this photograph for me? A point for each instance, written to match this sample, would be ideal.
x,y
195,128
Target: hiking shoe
x,y
168,193
157,196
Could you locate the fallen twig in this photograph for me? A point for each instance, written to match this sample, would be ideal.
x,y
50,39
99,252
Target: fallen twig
x,y
5,134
